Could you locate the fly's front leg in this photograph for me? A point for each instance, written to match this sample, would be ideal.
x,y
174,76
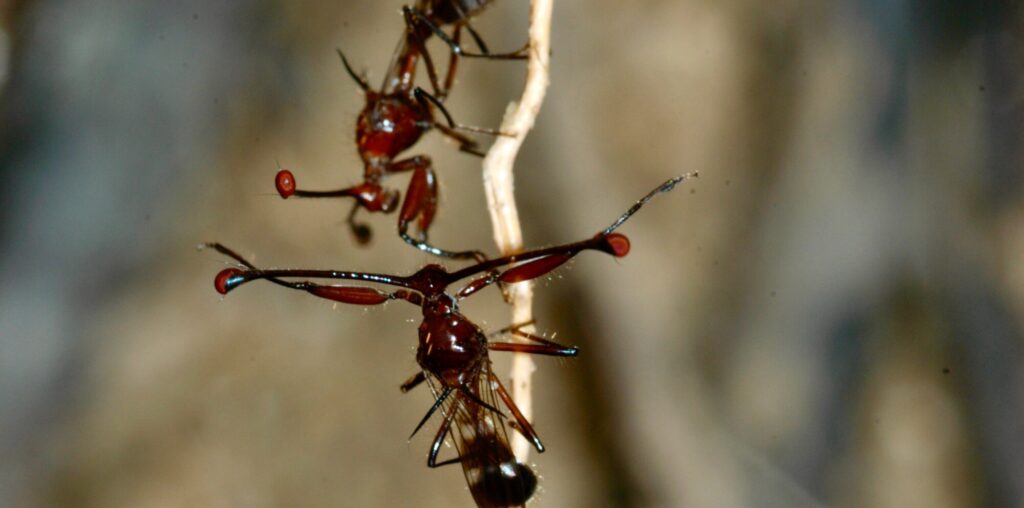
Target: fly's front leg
x,y
421,197
420,205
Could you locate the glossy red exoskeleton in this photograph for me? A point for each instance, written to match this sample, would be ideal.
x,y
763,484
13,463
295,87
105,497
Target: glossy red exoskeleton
x,y
453,352
393,120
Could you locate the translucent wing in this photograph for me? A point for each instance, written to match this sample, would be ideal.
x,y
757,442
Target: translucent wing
x,y
493,475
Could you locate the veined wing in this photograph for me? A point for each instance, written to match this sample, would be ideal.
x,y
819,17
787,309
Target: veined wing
x,y
494,476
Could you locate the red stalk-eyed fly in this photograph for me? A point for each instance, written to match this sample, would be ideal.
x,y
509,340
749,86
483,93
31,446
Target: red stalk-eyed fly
x,y
394,119
453,352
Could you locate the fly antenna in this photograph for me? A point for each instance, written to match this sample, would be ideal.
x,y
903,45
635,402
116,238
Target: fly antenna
x,y
665,187
360,79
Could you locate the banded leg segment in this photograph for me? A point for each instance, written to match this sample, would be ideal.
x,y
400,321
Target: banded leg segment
x,y
420,205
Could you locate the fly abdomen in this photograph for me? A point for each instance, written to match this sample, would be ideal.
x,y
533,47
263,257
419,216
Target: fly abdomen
x,y
505,484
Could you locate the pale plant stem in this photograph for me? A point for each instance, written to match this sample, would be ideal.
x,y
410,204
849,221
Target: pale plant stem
x,y
499,188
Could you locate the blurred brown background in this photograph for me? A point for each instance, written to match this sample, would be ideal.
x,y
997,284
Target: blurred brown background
x,y
830,316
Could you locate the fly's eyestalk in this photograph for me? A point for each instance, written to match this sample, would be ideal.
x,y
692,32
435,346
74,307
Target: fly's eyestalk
x,y
355,295
285,183
228,279
615,244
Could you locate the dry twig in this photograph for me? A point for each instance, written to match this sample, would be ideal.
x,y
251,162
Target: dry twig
x,y
498,186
